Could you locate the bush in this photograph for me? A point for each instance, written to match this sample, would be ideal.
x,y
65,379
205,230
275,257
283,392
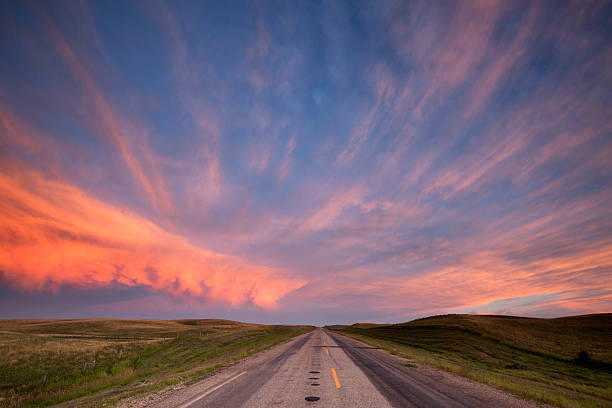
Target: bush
x,y
583,357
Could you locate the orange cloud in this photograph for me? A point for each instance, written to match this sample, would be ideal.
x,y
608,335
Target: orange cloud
x,y
54,234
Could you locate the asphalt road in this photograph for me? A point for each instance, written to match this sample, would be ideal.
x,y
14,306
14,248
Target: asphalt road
x,y
324,369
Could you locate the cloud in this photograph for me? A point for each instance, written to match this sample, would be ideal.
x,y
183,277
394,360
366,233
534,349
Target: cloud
x,y
528,253
384,90
571,302
11,133
207,184
54,234
285,167
407,159
107,122
325,215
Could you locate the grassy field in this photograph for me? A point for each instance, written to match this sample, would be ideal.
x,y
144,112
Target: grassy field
x,y
96,362
538,359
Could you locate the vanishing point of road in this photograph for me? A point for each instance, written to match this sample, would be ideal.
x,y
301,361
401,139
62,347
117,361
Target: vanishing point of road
x,y
325,369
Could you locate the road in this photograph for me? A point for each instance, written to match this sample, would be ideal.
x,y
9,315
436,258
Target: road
x,y
325,369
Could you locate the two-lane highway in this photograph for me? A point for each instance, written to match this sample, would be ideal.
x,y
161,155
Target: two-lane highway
x,y
324,369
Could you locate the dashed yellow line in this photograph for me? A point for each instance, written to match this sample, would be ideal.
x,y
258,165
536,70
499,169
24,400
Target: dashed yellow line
x,y
327,351
336,378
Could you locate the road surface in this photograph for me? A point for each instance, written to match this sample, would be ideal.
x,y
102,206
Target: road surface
x,y
325,369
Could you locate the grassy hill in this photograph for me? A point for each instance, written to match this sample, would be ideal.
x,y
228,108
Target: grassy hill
x,y
565,362
95,362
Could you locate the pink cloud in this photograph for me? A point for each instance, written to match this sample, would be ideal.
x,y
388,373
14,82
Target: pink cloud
x,y
84,242
384,89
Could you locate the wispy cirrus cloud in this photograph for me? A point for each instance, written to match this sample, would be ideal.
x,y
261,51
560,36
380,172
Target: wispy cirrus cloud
x,y
107,122
197,101
387,162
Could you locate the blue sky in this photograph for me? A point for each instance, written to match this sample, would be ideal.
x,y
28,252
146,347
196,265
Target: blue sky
x,y
316,162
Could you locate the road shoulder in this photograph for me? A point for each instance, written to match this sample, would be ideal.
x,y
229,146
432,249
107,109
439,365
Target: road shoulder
x,y
176,395
461,388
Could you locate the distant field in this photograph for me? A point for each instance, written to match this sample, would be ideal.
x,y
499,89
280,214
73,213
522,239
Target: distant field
x,y
538,359
96,362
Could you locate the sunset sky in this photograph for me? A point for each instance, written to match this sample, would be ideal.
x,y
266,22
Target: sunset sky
x,y
305,162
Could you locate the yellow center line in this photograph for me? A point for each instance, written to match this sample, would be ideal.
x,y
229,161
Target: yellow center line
x,y
327,351
336,378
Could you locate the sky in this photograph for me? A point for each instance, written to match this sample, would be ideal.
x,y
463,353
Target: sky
x,y
305,162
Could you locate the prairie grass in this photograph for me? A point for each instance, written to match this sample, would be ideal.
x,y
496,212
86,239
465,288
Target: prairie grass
x,y
535,359
97,362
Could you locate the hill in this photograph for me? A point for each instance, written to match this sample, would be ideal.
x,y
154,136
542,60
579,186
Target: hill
x,y
79,362
564,361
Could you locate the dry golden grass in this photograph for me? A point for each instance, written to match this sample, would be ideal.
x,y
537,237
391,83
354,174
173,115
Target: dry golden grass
x,y
95,362
532,358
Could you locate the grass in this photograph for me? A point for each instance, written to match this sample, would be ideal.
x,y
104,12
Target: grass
x,y
535,359
98,362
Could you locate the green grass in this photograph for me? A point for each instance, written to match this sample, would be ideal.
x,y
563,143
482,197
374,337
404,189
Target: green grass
x,y
50,362
532,358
